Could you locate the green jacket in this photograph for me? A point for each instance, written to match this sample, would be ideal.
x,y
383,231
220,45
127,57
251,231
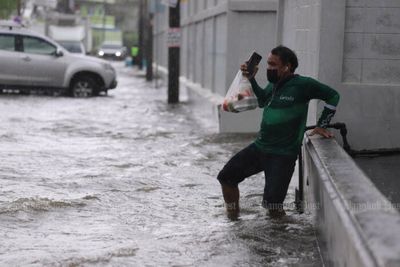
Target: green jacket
x,y
285,112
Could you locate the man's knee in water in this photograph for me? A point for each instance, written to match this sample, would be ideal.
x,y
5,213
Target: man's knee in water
x,y
222,178
225,178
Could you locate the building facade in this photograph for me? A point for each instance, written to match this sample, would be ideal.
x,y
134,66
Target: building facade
x,y
351,45
217,36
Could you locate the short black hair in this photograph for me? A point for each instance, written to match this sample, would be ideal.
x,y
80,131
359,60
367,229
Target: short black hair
x,y
286,55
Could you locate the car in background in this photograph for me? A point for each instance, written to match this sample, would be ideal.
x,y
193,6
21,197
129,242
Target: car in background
x,y
112,51
75,47
29,60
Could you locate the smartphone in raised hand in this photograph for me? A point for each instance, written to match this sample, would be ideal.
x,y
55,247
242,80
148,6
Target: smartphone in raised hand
x,y
253,61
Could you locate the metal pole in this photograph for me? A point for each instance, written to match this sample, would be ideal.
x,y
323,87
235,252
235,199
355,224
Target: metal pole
x,y
300,202
19,8
173,56
156,43
141,36
149,50
104,21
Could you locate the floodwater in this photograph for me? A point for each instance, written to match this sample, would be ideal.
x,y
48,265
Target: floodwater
x,y
126,180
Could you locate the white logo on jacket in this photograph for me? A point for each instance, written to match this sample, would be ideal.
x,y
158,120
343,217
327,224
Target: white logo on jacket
x,y
287,98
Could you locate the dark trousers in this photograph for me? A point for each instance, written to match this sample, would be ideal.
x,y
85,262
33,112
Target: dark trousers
x,y
278,170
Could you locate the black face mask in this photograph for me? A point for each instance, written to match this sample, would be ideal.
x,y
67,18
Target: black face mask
x,y
272,75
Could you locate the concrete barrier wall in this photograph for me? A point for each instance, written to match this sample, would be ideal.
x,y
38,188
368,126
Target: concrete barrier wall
x,y
356,225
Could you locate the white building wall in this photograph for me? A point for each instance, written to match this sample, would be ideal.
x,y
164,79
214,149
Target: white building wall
x,y
371,73
353,46
192,51
209,54
184,52
301,31
220,55
160,34
298,29
218,36
248,37
199,53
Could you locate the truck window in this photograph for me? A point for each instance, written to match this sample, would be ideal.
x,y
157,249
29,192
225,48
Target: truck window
x,y
34,45
73,47
7,42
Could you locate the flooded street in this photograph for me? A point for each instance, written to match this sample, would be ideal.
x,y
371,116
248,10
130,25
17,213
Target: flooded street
x,y
126,180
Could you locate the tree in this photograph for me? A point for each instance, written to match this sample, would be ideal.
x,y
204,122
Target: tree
x,y
7,8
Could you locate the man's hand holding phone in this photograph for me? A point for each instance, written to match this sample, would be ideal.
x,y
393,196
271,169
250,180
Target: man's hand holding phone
x,y
245,73
250,67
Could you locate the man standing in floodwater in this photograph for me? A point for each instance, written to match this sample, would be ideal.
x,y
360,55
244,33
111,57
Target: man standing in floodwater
x,y
285,103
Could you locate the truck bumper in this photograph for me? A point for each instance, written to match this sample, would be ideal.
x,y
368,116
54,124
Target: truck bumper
x,y
113,84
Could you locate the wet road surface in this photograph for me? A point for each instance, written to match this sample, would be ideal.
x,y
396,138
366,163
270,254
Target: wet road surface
x,y
126,180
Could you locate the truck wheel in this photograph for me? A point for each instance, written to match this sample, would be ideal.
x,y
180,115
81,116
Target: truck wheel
x,y
83,86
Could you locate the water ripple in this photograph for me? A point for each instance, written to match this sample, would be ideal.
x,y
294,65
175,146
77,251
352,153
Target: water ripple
x,y
128,180
42,204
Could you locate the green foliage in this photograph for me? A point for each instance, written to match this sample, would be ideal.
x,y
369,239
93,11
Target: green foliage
x,y
7,8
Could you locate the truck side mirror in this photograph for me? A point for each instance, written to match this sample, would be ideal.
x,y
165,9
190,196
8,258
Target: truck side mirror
x,y
59,53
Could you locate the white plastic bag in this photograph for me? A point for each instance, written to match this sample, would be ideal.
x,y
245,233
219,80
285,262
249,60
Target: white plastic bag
x,y
240,96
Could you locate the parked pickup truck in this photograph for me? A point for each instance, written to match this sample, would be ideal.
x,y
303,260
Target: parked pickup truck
x,y
30,60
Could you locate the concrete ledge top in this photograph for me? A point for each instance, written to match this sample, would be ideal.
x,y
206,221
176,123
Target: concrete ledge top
x,y
376,220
